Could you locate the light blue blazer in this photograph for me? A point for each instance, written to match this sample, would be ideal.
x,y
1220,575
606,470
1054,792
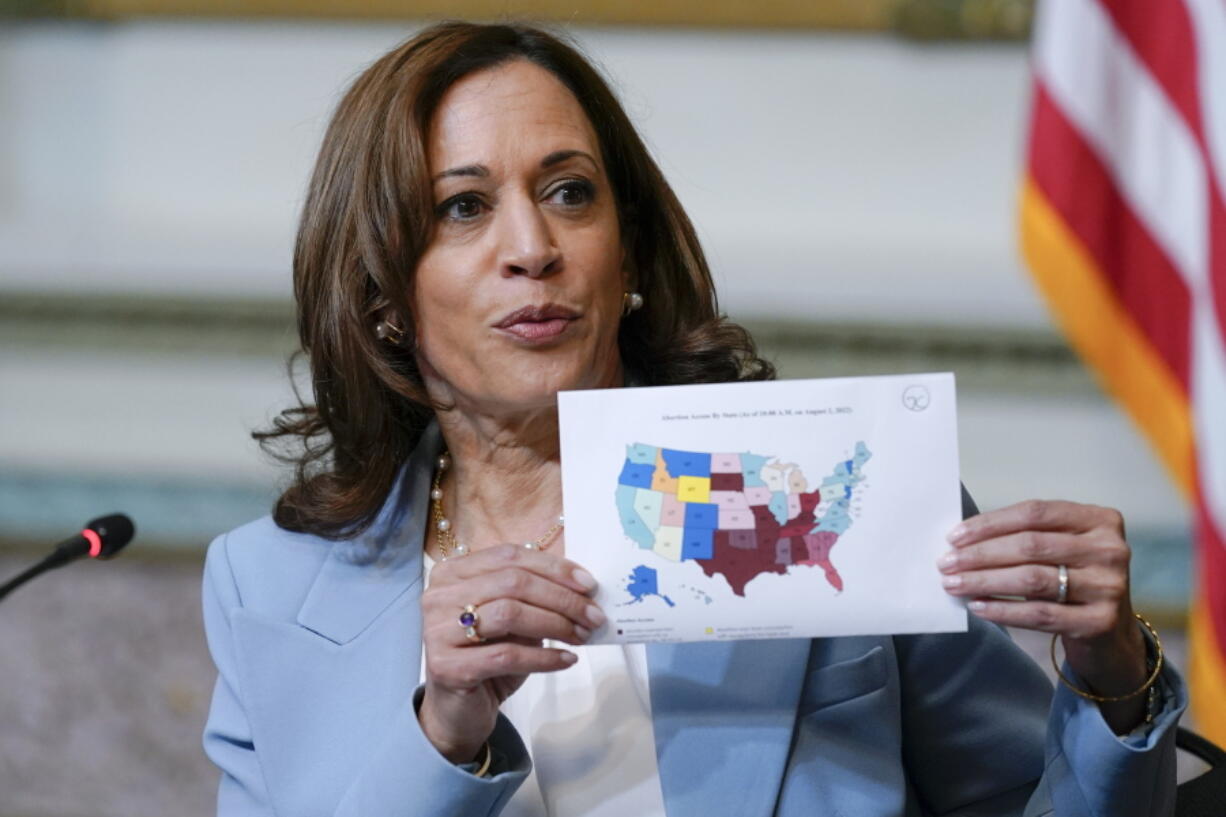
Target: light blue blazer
x,y
318,643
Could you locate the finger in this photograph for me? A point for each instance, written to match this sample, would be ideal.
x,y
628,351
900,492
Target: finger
x,y
448,601
527,642
1034,514
548,566
441,646
1028,581
1073,620
1027,547
466,668
504,618
1036,582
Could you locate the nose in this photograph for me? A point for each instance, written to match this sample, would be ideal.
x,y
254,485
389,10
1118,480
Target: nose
x,y
527,242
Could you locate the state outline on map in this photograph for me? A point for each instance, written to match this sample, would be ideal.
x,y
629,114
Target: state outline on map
x,y
722,511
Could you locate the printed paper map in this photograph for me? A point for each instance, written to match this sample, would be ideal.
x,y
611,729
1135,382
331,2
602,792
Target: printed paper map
x,y
700,521
737,515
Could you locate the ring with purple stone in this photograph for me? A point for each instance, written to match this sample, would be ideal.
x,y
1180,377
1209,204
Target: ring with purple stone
x,y
468,620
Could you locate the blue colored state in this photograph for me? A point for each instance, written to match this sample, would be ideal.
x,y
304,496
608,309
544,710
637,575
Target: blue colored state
x,y
642,454
636,474
701,515
686,463
862,453
632,523
836,519
778,506
847,473
698,543
643,583
751,469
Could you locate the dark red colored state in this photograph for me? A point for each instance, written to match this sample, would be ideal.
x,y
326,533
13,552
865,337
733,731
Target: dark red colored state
x,y
804,521
808,502
727,482
740,539
739,556
739,566
764,521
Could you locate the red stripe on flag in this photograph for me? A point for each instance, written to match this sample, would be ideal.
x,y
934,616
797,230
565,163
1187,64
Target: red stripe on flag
x,y
1079,186
1217,254
1213,572
1163,38
1161,34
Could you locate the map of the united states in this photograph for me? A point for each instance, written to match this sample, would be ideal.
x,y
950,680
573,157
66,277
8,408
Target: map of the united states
x,y
737,515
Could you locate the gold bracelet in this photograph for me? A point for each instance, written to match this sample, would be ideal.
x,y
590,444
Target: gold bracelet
x,y
485,764
1149,682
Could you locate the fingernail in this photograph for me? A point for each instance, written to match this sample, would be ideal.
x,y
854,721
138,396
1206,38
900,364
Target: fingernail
x,y
978,606
957,532
585,579
583,632
951,581
569,658
595,615
947,560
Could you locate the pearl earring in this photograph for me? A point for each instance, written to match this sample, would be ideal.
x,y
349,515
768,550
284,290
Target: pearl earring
x,y
630,302
390,332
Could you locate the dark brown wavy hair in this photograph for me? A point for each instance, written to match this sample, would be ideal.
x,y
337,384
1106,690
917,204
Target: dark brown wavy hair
x,y
369,216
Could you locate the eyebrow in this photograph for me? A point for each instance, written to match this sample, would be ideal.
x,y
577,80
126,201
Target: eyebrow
x,y
557,157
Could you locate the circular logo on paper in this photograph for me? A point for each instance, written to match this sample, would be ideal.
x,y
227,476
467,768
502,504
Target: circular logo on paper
x,y
916,398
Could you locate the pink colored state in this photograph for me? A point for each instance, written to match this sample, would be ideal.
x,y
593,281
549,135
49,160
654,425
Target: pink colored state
x,y
818,545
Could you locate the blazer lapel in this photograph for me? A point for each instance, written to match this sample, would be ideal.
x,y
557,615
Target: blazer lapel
x,y
348,594
723,715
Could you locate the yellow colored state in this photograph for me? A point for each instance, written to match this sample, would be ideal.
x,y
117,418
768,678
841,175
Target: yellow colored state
x,y
694,489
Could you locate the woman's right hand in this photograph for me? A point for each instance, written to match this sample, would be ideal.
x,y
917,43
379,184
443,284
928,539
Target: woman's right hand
x,y
522,596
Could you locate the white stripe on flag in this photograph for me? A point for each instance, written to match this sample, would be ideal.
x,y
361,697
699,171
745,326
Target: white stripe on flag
x,y
1209,410
1209,28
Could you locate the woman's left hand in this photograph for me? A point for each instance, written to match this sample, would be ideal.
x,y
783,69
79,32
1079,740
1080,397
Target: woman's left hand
x,y
1017,551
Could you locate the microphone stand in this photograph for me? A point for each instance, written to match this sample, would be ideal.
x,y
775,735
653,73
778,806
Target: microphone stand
x,y
57,558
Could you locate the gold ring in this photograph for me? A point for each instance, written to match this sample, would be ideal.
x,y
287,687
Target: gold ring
x,y
468,620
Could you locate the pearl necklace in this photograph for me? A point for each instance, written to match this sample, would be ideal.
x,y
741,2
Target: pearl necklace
x,y
446,539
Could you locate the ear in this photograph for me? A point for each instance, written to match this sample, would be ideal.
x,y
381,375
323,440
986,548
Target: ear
x,y
630,277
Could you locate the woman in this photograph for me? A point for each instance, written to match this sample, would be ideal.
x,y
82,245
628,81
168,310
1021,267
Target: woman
x,y
484,228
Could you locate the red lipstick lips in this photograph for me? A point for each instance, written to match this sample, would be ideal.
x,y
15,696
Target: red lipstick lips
x,y
538,323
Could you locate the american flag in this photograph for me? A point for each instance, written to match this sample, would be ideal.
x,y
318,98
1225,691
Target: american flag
x,y
1123,223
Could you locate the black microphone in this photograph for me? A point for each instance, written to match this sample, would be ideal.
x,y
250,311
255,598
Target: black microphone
x,y
101,538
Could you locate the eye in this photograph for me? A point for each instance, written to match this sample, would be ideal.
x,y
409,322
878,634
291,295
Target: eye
x,y
464,207
575,192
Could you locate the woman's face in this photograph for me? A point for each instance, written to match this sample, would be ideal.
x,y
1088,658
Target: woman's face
x,y
519,292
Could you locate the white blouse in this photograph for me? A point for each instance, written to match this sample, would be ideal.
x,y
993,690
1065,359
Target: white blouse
x,y
588,731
